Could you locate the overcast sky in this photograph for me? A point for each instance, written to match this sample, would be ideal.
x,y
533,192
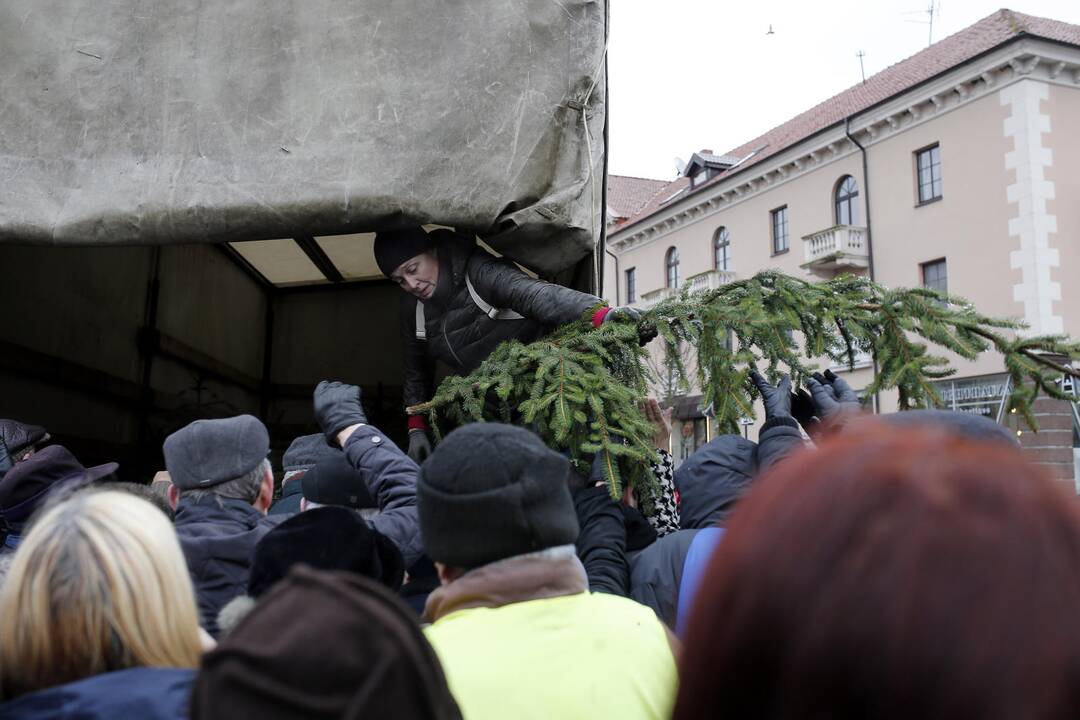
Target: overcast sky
x,y
691,74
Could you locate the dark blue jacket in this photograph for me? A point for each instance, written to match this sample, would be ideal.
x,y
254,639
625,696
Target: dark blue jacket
x,y
713,479
292,493
217,536
144,693
390,476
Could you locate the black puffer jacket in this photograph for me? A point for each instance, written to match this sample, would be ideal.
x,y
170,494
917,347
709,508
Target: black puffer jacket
x,y
458,332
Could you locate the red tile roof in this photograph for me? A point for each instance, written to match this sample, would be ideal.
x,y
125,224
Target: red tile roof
x,y
986,34
626,195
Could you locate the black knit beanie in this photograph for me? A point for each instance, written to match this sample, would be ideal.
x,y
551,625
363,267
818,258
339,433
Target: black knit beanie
x,y
491,491
393,247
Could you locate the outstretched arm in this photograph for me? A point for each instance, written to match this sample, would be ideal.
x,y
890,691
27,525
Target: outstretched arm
x,y
388,473
390,476
504,285
601,544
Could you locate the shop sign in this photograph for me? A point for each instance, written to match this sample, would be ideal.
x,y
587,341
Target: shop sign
x,y
983,396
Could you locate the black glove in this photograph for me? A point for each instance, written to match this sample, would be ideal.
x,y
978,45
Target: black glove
x,y
831,394
804,410
777,399
337,406
419,445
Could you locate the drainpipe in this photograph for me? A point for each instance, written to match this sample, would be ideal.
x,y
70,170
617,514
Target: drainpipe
x,y
616,258
866,187
869,233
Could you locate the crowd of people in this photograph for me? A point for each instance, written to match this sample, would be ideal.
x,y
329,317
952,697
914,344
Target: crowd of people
x,y
913,565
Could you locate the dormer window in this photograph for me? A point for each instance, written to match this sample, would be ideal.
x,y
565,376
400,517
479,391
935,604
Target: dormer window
x,y
704,166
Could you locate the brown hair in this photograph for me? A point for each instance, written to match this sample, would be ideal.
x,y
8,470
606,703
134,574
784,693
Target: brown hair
x,y
892,574
99,584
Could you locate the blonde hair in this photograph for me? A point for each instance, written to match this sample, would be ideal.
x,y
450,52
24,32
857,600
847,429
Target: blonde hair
x,y
98,584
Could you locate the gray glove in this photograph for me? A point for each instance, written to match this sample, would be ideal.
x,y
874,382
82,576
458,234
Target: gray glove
x,y
623,313
777,399
832,394
419,446
337,406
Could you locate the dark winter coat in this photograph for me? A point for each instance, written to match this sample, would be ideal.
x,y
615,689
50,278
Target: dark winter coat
x,y
390,476
458,332
710,482
217,536
601,544
656,573
292,493
713,479
144,693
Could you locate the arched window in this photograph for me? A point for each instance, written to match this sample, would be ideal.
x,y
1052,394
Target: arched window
x,y
847,201
672,264
721,249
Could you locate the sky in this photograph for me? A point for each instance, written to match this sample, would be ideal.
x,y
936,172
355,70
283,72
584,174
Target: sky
x,y
685,75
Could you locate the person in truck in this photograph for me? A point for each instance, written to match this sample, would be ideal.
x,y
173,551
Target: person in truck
x,y
460,302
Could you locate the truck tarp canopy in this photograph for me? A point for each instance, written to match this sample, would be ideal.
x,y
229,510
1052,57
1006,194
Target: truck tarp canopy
x,y
144,122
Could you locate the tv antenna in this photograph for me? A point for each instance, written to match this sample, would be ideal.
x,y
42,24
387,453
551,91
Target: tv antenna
x,y
934,10
862,69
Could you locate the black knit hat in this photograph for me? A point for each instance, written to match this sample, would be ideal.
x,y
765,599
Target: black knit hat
x,y
327,538
491,491
393,247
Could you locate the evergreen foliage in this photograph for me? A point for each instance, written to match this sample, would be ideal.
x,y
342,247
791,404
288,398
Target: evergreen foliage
x,y
580,388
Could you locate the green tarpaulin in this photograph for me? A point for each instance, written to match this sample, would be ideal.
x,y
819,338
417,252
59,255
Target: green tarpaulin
x,y
140,121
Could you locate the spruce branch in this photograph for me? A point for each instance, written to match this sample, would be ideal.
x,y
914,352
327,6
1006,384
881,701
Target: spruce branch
x,y
580,388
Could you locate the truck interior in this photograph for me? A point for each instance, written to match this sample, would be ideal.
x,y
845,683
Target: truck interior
x,y
113,348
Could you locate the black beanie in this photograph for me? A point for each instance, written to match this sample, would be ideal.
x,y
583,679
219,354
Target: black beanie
x,y
491,491
326,538
393,247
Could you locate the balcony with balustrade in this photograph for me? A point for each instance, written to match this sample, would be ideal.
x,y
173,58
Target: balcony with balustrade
x,y
653,297
841,248
709,280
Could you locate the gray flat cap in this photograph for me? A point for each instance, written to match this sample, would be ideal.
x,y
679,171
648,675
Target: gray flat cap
x,y
307,450
208,452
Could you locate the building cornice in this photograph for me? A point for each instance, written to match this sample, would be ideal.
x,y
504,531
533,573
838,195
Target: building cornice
x,y
1028,57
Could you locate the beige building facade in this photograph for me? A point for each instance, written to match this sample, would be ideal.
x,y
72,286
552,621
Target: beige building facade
x,y
958,168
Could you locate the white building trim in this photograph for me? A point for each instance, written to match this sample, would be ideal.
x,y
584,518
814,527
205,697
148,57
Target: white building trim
x,y
1032,223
